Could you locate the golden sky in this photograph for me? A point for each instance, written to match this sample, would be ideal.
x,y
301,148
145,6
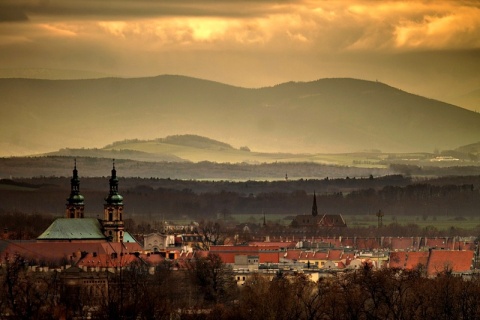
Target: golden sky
x,y
431,48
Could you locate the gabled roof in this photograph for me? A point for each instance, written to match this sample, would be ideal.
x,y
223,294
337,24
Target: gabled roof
x,y
348,242
398,259
73,229
464,245
265,253
310,255
331,255
333,242
121,247
335,255
152,259
455,261
292,254
415,259
367,243
103,260
440,243
279,244
333,220
401,243
127,237
71,252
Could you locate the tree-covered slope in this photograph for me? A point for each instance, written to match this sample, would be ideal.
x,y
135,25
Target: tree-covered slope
x,y
327,115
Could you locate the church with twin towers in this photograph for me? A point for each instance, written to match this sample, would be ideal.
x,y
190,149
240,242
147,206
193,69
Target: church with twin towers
x,y
75,227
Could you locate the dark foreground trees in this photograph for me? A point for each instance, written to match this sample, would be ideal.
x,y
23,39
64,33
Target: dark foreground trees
x,y
27,295
206,290
364,294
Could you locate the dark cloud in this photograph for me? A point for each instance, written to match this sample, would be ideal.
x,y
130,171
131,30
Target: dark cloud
x,y
15,10
429,48
12,14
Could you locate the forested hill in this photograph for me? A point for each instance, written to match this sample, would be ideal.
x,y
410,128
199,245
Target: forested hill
x,y
323,116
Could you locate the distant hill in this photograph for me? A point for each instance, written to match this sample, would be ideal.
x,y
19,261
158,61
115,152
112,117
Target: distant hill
x,y
470,100
187,140
115,154
473,148
323,116
194,148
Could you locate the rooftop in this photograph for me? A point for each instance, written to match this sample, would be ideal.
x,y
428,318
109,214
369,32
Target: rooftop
x,y
73,229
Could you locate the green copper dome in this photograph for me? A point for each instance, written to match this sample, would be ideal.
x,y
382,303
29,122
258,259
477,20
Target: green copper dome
x,y
114,197
75,199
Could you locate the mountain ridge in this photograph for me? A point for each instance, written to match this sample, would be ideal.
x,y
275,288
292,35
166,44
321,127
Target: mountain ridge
x,y
322,116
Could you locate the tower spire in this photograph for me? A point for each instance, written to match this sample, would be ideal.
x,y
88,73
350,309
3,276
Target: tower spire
x,y
314,206
75,205
113,184
113,224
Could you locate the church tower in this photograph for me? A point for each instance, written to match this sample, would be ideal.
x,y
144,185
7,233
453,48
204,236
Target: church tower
x,y
113,226
314,206
75,205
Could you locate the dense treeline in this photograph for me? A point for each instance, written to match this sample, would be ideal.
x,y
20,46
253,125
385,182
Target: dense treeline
x,y
205,199
21,226
206,289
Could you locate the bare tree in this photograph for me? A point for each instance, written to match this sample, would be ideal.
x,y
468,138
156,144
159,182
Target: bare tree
x,y
212,233
214,279
26,294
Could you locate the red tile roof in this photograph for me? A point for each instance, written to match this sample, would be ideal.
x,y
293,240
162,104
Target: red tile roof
x,y
312,255
348,242
399,243
443,260
107,260
335,255
292,254
67,252
398,259
153,259
278,244
334,242
437,243
367,243
415,259
464,245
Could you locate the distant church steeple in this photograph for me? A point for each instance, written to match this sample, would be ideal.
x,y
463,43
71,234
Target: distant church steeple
x,y
113,225
314,206
75,206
